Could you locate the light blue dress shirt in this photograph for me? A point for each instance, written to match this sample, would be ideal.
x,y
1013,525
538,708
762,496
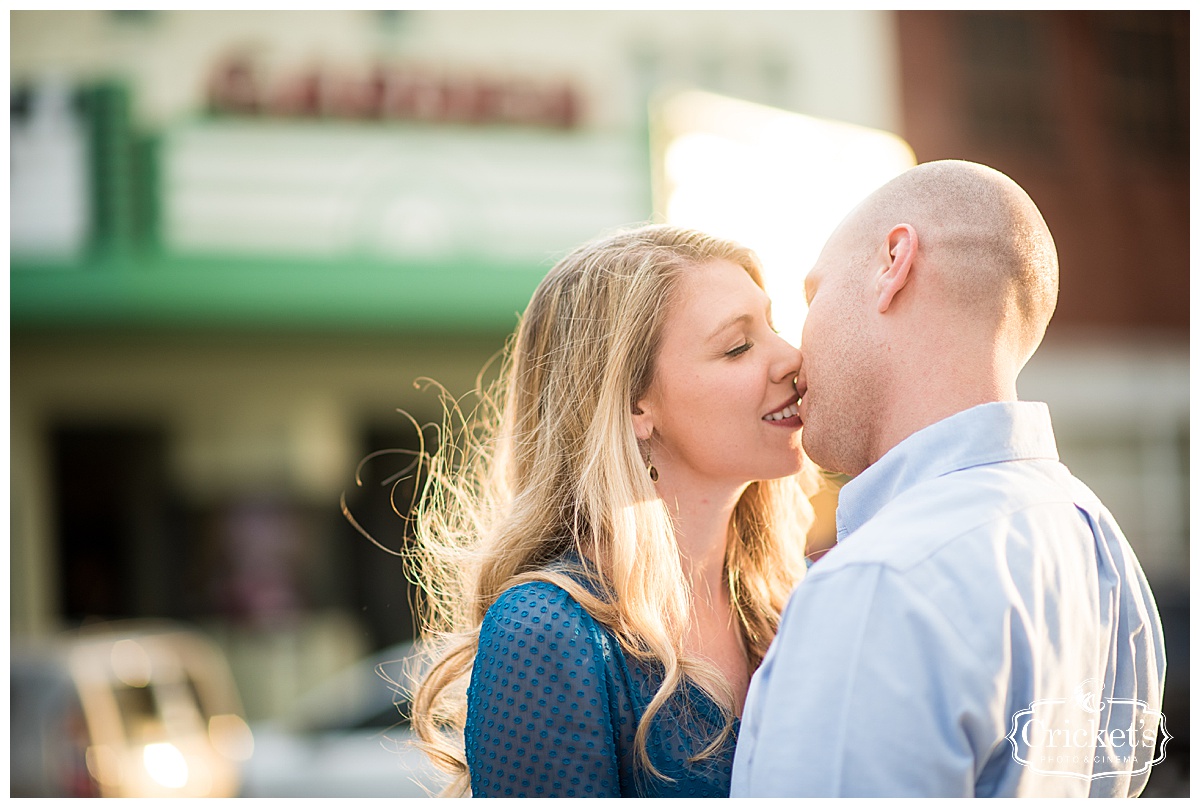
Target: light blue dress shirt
x,y
982,628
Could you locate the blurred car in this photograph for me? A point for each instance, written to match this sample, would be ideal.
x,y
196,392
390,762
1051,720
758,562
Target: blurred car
x,y
348,737
125,709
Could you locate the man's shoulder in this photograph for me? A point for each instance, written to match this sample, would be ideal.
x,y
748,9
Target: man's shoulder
x,y
945,516
970,546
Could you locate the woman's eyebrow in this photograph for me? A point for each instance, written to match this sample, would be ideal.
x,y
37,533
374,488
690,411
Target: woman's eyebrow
x,y
729,323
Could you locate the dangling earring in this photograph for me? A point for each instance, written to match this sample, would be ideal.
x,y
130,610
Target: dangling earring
x,y
650,467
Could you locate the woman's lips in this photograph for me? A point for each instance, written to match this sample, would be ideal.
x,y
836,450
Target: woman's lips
x,y
787,415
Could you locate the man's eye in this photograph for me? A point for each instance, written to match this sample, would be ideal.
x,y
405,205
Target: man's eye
x,y
741,349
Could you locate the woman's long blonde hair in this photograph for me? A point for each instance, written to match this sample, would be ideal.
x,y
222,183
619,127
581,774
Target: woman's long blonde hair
x,y
548,463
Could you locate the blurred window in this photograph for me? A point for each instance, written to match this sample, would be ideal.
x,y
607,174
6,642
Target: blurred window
x,y
1146,83
382,506
1007,79
120,548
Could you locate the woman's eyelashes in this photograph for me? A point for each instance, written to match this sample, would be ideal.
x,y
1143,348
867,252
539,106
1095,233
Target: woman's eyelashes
x,y
749,343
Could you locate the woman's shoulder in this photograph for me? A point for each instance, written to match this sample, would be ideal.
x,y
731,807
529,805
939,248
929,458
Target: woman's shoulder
x,y
538,604
537,638
542,705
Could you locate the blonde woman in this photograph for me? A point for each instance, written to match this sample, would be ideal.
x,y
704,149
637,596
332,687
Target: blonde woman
x,y
605,550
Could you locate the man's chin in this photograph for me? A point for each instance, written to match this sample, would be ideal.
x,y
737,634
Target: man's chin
x,y
829,464
814,449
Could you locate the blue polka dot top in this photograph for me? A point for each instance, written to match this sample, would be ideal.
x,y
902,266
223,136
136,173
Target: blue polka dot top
x,y
553,705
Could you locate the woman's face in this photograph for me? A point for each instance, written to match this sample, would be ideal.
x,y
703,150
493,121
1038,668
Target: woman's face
x,y
722,405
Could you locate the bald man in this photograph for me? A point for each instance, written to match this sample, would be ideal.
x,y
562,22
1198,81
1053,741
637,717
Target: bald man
x,y
982,627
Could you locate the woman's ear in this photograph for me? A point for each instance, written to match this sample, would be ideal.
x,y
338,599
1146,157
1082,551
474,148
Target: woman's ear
x,y
643,420
900,251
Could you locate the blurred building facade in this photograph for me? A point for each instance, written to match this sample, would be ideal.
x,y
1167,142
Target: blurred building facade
x,y
281,222
288,218
1089,112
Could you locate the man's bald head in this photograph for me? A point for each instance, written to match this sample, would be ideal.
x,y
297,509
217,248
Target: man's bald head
x,y
982,241
928,299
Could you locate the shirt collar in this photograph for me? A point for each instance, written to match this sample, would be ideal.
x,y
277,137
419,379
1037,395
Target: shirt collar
x,y
987,433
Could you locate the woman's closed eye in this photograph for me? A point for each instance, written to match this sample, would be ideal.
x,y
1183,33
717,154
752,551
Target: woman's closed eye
x,y
741,349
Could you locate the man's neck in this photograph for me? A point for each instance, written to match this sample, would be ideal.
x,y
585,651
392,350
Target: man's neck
x,y
930,402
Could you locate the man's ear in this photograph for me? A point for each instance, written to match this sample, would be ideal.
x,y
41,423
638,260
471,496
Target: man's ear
x,y
643,420
900,250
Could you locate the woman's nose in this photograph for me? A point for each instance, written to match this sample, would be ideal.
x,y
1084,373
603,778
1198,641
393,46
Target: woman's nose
x,y
788,364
